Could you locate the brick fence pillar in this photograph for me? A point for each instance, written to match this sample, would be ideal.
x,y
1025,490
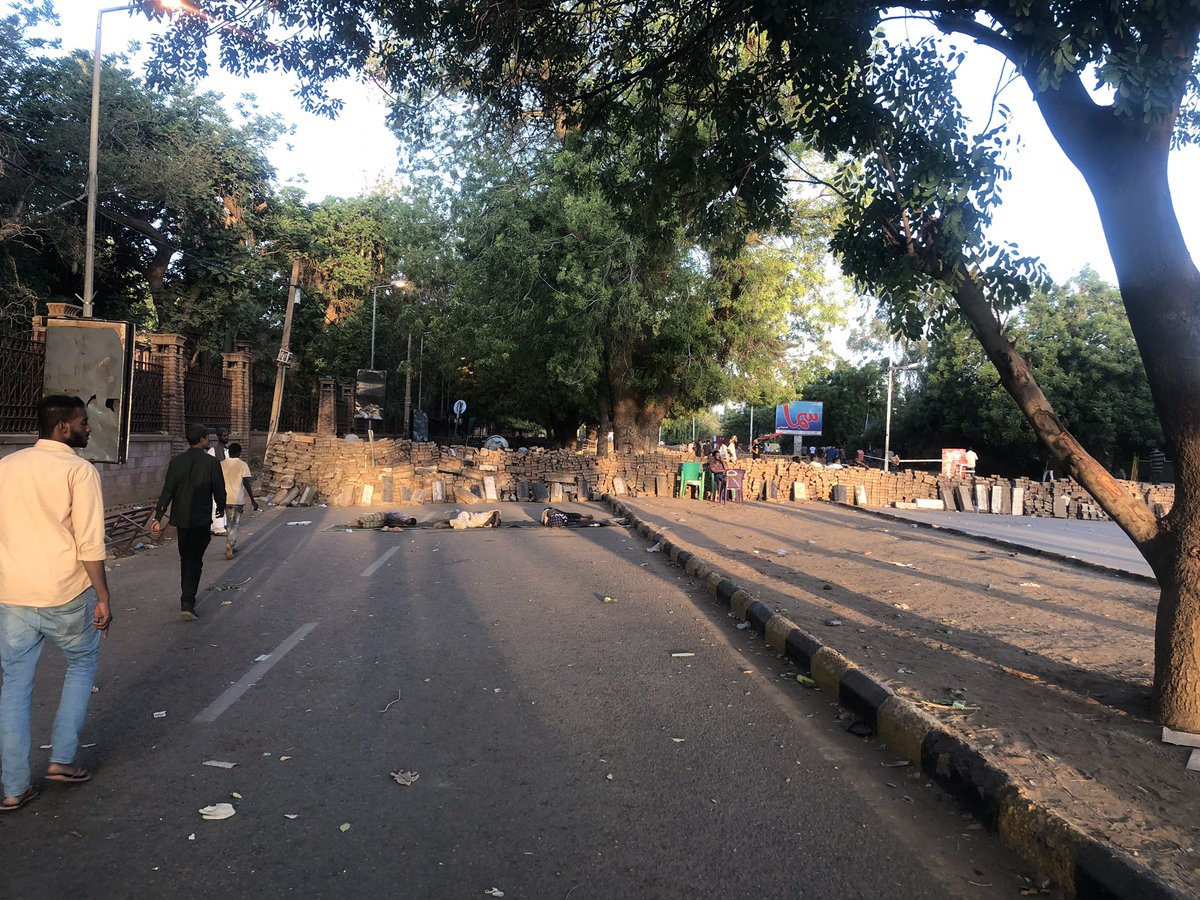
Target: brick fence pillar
x,y
327,410
237,368
347,391
168,352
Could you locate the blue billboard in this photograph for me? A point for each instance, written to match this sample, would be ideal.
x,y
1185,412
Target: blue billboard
x,y
799,417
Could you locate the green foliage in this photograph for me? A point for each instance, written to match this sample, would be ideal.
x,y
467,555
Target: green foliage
x,y
1079,342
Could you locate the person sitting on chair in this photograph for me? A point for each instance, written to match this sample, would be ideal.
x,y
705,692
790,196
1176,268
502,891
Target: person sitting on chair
x,y
717,467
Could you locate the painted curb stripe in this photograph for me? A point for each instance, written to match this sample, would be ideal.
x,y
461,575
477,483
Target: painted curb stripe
x,y
862,695
800,649
966,776
758,614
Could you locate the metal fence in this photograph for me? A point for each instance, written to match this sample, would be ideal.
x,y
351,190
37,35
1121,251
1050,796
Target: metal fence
x,y
206,398
147,411
22,366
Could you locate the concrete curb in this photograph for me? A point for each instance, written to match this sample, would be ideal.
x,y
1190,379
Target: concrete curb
x,y
1008,545
1081,865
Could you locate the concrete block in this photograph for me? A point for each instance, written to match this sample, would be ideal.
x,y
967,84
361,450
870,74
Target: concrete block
x,y
389,487
860,495
926,503
619,486
368,494
489,488
799,490
1061,502
439,491
997,506
963,499
981,498
556,492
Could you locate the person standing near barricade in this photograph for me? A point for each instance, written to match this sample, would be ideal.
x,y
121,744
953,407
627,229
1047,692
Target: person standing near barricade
x,y
238,488
1158,461
194,483
52,585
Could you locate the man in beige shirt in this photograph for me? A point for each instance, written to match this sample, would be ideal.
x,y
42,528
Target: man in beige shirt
x,y
52,586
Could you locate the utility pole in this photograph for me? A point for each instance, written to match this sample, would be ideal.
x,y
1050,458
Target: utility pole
x,y
285,355
408,388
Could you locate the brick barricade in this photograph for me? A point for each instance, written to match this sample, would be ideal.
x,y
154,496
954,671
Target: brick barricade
x,y
402,472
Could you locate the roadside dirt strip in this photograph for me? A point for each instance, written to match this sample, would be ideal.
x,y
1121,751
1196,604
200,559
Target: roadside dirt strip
x,y
1018,683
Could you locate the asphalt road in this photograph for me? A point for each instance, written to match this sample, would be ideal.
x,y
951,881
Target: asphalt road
x,y
562,750
1103,543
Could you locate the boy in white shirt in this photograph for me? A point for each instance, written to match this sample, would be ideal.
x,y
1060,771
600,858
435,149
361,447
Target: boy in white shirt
x,y
237,488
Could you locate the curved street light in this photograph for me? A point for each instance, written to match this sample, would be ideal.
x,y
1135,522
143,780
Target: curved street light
x,y
89,257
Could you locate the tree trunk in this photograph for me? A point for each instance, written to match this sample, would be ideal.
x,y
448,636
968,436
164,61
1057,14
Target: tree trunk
x,y
1125,166
605,425
565,434
636,422
1124,161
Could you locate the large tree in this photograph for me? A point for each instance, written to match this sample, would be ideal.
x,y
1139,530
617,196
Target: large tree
x,y
764,72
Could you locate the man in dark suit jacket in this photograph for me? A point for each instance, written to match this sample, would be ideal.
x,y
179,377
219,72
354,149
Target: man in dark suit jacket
x,y
194,484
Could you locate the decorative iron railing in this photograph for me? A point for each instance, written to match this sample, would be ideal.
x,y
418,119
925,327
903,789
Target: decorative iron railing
x,y
206,398
22,368
147,412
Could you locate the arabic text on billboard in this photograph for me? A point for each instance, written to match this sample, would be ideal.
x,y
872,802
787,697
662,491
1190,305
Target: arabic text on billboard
x,y
799,417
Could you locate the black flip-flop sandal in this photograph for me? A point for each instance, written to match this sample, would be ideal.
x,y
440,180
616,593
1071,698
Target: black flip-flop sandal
x,y
31,793
78,776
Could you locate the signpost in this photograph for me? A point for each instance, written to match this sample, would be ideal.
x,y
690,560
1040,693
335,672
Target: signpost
x,y
460,407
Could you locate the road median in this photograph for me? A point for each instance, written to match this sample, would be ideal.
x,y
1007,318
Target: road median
x,y
1022,681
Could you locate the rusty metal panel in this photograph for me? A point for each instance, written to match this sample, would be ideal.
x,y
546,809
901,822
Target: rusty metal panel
x,y
93,359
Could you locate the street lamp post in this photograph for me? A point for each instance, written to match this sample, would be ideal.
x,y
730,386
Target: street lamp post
x,y
398,282
89,254
887,431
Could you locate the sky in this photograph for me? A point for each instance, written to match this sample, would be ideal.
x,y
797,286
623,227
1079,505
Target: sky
x,y
1047,210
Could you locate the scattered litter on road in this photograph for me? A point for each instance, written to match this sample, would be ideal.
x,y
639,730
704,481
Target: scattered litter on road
x,y
679,740
228,585
898,764
344,827
742,626
405,778
161,714
657,548
781,553
1030,584
609,776
680,654
227,603
904,671
494,892
901,606
610,600
303,522
806,681
235,795
284,758
263,657
46,747
827,587
192,836
392,703
88,746
290,816
218,764
833,623
901,565
217,811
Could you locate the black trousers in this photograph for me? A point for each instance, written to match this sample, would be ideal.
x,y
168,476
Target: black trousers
x,y
192,544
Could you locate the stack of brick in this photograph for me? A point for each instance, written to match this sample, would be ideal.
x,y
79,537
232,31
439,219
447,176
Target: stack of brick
x,y
402,472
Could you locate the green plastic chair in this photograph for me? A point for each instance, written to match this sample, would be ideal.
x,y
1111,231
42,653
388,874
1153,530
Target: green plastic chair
x,y
691,474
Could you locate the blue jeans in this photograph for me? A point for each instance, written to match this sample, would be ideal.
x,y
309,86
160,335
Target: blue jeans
x,y
23,630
